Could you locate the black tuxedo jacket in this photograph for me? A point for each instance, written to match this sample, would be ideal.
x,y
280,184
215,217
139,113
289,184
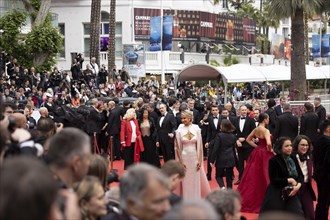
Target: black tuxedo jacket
x,y
278,110
321,113
212,131
114,120
309,123
168,126
272,120
196,116
249,125
286,125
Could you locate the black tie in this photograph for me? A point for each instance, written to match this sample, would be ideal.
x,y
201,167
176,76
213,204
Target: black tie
x,y
242,118
215,117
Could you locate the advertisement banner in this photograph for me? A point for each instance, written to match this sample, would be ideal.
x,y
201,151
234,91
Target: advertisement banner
x,y
207,26
142,22
325,45
277,46
316,47
287,49
249,31
155,34
199,26
167,32
134,59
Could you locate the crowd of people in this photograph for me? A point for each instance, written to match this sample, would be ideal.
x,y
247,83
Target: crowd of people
x,y
164,139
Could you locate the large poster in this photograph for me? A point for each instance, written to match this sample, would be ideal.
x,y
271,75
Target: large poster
x,y
199,26
325,45
155,33
167,32
316,46
142,22
287,50
277,46
134,59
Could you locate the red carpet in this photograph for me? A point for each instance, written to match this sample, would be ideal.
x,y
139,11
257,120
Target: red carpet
x,y
119,166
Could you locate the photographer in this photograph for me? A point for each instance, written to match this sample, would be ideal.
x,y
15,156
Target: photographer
x,y
102,77
80,59
75,70
56,77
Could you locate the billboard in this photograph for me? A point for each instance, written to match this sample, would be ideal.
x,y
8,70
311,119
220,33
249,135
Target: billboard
x,y
155,33
134,59
321,47
277,46
199,26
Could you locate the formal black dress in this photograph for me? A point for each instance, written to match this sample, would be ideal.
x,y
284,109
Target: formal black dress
x,y
149,138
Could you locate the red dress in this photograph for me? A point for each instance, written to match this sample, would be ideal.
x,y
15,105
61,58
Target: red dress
x,y
255,178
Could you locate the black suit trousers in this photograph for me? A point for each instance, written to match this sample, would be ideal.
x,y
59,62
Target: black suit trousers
x,y
167,148
128,156
323,199
243,155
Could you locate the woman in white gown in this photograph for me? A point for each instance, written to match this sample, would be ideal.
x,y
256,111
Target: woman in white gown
x,y
189,151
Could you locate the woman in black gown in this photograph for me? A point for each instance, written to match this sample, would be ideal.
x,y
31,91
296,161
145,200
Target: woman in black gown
x,y
283,170
149,138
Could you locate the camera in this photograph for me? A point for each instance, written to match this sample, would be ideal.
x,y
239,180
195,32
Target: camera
x,y
112,177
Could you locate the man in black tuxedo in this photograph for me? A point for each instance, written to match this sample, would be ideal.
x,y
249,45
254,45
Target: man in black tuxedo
x,y
286,124
93,122
152,113
309,122
244,126
191,106
166,129
279,108
113,129
272,115
320,110
256,113
214,121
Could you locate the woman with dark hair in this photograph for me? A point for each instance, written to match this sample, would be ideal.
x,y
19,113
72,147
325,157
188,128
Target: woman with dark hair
x,y
149,139
255,177
98,167
302,147
223,154
284,173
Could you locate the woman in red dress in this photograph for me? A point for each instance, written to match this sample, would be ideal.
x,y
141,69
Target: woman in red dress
x,y
255,177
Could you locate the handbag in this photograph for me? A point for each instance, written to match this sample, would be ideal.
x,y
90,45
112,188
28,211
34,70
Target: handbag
x,y
286,192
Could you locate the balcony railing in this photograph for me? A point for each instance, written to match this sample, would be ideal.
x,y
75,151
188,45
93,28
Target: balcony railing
x,y
172,60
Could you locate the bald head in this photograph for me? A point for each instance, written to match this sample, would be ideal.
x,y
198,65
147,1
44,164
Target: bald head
x,y
20,120
43,112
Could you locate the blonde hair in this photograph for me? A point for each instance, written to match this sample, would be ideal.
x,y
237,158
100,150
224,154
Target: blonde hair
x,y
130,113
186,114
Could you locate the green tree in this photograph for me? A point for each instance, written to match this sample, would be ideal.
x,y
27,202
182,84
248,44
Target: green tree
x,y
95,30
295,10
112,38
40,46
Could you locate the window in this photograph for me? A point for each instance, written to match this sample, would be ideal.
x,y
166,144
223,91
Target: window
x,y
104,36
61,28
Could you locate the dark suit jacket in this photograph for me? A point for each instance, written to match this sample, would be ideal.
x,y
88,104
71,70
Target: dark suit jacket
x,y
212,131
278,110
224,150
93,121
309,123
272,120
321,154
249,125
154,115
114,120
168,126
321,113
196,116
286,125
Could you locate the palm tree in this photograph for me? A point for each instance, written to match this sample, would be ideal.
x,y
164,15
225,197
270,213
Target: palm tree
x,y
112,38
295,9
95,30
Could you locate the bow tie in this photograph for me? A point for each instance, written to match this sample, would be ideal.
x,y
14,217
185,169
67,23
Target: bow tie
x,y
243,118
302,158
215,117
